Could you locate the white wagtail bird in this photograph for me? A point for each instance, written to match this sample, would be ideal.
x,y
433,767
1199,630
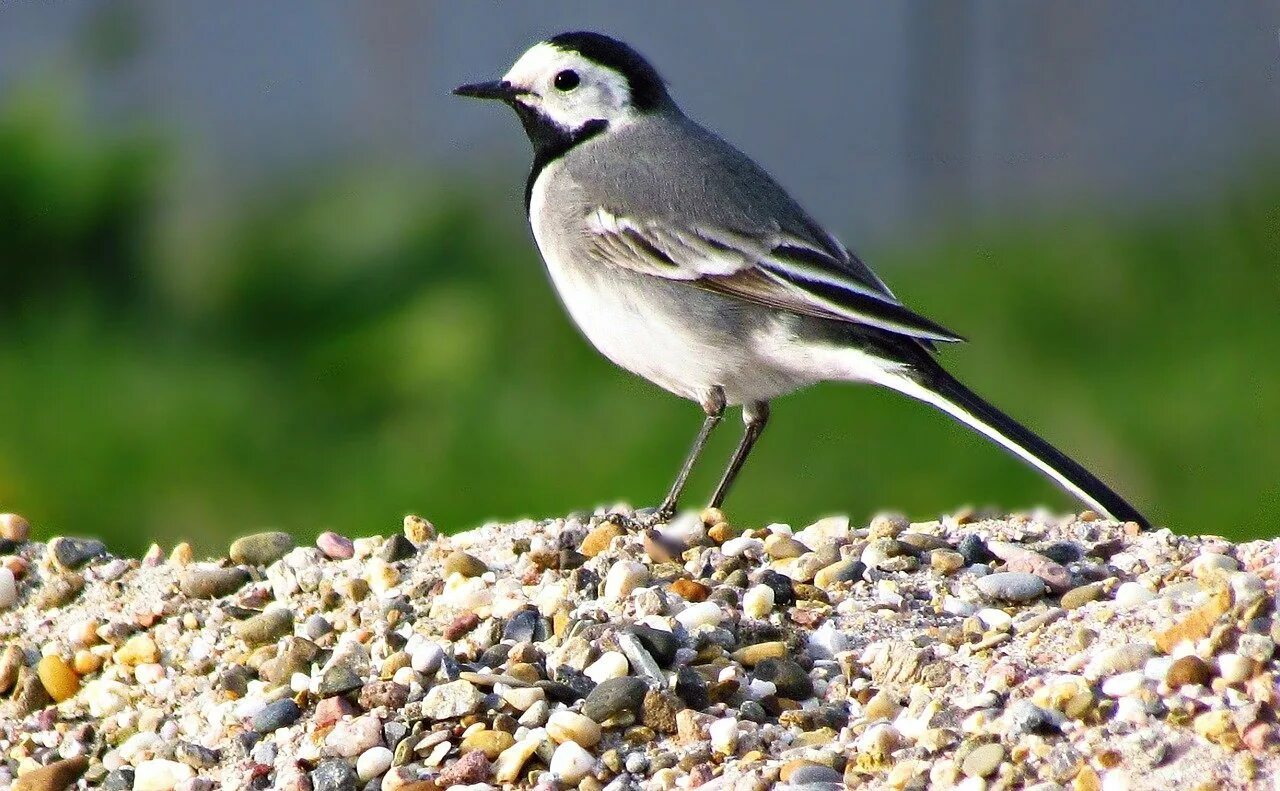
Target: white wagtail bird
x,y
685,263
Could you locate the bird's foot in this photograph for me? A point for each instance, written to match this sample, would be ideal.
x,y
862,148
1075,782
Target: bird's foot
x,y
643,518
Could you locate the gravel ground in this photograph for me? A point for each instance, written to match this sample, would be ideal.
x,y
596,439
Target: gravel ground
x,y
1029,651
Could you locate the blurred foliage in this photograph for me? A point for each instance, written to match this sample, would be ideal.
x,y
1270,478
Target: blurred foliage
x,y
336,353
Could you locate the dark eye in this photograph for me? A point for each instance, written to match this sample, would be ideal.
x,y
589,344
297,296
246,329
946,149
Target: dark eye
x,y
567,80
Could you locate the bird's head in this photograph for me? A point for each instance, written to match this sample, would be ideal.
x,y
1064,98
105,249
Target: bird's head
x,y
574,82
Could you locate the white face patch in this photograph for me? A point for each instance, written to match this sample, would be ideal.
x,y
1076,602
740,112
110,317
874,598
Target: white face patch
x,y
600,92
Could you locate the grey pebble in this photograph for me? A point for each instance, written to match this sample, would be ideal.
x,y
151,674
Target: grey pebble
x,y
261,549
339,678
212,582
397,547
195,755
974,550
1025,717
276,715
613,697
525,626
266,627
119,780
661,645
791,680
334,775
1016,586
815,773
69,554
640,658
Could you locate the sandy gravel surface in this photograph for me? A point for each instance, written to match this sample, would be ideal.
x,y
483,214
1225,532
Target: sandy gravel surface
x,y
1029,651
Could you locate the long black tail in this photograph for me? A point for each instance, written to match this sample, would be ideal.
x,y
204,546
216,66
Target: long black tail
x,y
934,385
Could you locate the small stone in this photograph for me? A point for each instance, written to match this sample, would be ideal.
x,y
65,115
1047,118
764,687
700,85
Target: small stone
x,y
470,769
383,694
1080,596
1217,727
489,742
525,626
689,590
396,548
205,581
465,564
887,525
196,756
1197,623
571,763
59,680
946,561
849,570
334,774
614,697
660,644
159,774
342,676
56,776
261,549
335,546
266,627
373,762
8,589
59,590
814,775
1133,594
706,613
882,706
1234,668
983,760
570,726
70,554
461,625
599,539
974,550
137,650
624,577
753,655
611,664
350,738
451,700
1018,558
692,688
757,602
789,678
1120,659
418,530
1188,670
640,659
723,735
1015,586
512,760
881,550
14,528
11,661
780,546
276,715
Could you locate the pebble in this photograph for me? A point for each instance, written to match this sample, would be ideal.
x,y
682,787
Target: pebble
x,y
57,677
334,775
723,735
780,547
8,589
640,659
849,570
335,546
465,564
689,590
983,761
1014,586
373,762
611,664
206,581
571,763
136,650
661,645
159,774
266,627
70,554
1133,594
276,715
56,776
14,528
790,679
1234,668
469,769
1188,670
451,700
757,602
1120,659
512,760
1082,595
261,549
624,577
599,539
350,738
704,614
489,742
753,655
613,697
566,726
946,561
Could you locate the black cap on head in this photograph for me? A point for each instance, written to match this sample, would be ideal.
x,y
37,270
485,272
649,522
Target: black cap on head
x,y
647,87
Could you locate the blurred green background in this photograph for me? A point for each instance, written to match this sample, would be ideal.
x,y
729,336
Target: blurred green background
x,y
347,343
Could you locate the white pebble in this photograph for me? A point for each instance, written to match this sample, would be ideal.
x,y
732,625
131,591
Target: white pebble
x,y
705,613
299,682
1132,594
426,658
571,762
373,762
724,735
8,589
624,577
757,602
1208,561
160,775
611,664
1124,684
742,545
993,618
1234,668
953,605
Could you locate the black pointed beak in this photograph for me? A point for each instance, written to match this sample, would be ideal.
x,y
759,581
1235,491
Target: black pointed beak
x,y
494,89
